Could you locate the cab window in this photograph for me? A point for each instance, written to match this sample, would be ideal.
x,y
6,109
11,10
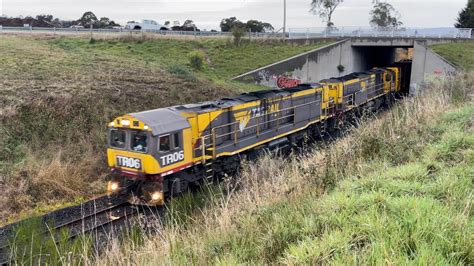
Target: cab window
x,y
117,139
164,143
176,141
139,142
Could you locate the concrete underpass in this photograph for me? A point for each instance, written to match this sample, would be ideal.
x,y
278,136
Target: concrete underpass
x,y
353,55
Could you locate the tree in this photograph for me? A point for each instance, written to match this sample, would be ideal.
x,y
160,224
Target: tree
x,y
466,16
47,18
88,19
167,23
258,26
188,25
104,23
325,9
228,23
238,32
384,16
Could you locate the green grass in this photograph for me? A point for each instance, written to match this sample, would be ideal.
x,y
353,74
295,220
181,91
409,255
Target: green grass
x,y
224,60
416,212
404,199
460,54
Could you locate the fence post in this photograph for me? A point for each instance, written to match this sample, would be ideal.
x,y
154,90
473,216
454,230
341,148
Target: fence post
x,y
91,32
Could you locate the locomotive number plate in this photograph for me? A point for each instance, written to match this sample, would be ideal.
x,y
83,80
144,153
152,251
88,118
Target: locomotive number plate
x,y
129,162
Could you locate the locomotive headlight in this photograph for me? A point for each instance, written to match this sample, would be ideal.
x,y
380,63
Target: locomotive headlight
x,y
112,124
114,186
125,123
157,196
145,127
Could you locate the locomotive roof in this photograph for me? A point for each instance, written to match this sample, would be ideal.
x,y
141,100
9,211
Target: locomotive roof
x,y
239,99
163,120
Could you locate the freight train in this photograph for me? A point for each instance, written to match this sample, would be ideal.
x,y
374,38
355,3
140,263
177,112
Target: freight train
x,y
156,154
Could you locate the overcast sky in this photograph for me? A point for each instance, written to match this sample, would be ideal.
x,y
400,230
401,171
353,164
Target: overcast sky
x,y
208,13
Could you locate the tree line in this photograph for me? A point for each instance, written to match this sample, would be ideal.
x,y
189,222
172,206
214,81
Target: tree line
x,y
383,15
87,20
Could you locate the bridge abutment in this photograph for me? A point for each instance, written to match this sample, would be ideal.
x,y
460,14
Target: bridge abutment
x,y
352,55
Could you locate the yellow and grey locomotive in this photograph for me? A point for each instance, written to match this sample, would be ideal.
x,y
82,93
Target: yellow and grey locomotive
x,y
159,153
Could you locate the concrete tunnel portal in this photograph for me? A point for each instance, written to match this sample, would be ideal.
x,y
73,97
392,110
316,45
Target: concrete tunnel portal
x,y
371,57
354,55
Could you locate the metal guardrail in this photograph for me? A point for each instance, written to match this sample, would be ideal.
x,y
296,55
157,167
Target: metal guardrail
x,y
343,32
294,33
123,31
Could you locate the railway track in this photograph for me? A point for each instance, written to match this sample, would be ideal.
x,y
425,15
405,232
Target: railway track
x,y
93,218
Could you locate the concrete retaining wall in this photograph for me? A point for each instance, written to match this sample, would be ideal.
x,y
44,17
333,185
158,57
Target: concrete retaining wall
x,y
348,56
312,66
427,65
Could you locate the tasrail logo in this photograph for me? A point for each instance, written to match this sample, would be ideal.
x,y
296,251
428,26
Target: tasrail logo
x,y
244,117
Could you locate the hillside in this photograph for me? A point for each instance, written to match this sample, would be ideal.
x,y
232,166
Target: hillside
x,y
460,54
57,95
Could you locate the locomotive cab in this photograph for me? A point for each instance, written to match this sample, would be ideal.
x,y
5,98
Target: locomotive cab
x,y
144,148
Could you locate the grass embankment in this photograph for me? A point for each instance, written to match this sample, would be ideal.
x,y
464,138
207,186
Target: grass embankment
x,y
397,190
460,54
58,94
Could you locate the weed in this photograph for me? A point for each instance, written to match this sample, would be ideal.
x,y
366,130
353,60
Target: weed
x,y
196,59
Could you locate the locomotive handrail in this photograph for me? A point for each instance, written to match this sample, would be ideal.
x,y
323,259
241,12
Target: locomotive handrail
x,y
368,89
372,93
279,118
270,113
257,125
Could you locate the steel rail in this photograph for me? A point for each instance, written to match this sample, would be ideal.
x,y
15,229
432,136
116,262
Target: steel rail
x,y
80,226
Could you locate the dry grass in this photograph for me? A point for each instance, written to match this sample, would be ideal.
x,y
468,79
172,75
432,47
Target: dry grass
x,y
273,215
57,94
53,108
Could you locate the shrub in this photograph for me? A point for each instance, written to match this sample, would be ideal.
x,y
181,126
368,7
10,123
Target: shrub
x,y
238,33
196,59
340,68
182,72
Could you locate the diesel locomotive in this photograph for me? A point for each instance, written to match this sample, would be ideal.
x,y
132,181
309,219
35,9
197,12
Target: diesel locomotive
x,y
159,153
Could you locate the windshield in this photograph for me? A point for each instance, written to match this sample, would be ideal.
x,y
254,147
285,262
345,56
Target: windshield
x,y
117,139
139,142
